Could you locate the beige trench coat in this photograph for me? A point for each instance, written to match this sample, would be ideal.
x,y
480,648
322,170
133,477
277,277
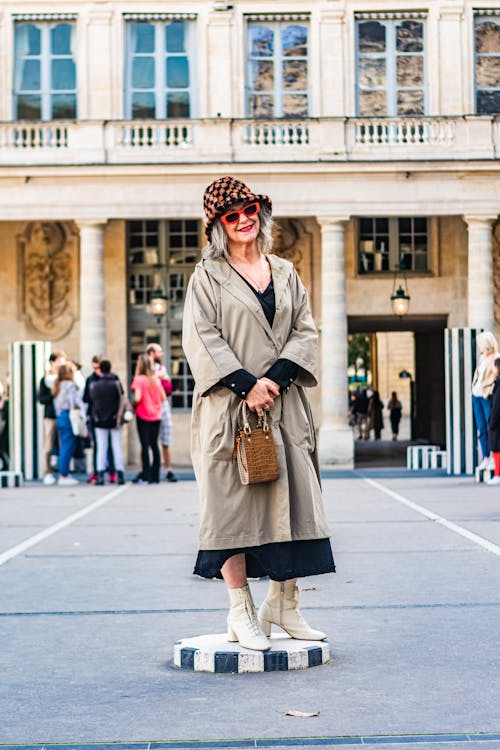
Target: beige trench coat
x,y
224,330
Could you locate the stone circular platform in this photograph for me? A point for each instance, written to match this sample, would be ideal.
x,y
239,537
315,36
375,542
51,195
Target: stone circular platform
x,y
214,653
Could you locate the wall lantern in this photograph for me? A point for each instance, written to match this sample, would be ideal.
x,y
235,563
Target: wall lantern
x,y
400,299
158,305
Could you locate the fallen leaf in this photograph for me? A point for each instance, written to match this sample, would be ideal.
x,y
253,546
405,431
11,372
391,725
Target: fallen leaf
x,y
301,714
311,588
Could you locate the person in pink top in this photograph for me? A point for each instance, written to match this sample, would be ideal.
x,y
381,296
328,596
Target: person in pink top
x,y
148,397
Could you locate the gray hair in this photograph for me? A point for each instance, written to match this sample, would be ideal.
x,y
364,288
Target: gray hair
x,y
218,248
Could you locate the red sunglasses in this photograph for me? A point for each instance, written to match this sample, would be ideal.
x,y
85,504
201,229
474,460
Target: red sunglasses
x,y
232,217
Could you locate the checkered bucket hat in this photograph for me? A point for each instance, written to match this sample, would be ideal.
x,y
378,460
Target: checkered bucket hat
x,y
225,192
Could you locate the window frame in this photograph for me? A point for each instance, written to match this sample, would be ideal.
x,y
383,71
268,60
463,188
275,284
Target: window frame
x,y
394,250
278,93
169,332
160,53
391,54
477,19
46,91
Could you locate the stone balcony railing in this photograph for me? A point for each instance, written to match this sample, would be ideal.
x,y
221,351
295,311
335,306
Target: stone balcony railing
x,y
239,140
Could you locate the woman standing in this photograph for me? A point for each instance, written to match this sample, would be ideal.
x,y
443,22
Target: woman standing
x,y
148,397
67,396
494,431
376,420
482,388
249,335
395,408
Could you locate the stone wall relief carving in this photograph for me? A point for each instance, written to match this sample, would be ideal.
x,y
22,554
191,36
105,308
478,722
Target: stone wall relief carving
x,y
295,242
496,271
48,263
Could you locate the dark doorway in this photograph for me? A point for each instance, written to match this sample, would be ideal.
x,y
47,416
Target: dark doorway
x,y
429,419
426,380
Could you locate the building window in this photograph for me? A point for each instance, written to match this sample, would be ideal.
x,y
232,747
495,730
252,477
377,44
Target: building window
x,y
158,69
390,67
277,78
487,61
162,254
393,244
44,71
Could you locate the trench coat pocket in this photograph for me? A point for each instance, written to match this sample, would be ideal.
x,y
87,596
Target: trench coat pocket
x,y
218,426
296,420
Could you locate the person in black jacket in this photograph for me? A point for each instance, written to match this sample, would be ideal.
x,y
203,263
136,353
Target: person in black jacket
x,y
494,429
96,374
375,417
4,431
360,412
105,402
46,398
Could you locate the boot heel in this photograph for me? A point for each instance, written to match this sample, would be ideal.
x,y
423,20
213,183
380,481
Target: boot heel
x,y
231,635
266,627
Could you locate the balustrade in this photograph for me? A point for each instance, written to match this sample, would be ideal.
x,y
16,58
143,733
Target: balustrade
x,y
403,131
224,139
37,136
152,134
274,133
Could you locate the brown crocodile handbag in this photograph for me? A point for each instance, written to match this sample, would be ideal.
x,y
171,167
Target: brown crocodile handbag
x,y
255,450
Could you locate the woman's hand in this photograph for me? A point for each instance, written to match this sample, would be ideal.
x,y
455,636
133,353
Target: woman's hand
x,y
262,395
272,387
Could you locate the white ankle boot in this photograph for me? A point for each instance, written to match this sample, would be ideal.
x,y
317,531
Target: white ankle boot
x,y
242,622
281,607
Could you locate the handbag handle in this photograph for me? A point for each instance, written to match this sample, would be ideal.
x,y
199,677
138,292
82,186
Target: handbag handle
x,y
243,413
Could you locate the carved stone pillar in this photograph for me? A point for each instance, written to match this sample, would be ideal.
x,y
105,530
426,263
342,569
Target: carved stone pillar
x,y
92,292
480,272
336,444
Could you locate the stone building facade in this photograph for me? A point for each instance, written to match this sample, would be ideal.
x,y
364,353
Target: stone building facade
x,y
374,127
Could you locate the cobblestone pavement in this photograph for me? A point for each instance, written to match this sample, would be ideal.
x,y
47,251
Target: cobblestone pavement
x,y
96,586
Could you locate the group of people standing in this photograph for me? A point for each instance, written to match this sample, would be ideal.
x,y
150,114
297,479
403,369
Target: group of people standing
x,y
365,413
96,409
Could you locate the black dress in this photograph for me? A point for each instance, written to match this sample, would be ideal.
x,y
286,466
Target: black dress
x,y
278,560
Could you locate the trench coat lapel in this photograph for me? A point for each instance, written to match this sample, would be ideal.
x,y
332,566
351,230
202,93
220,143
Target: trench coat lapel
x,y
235,285
281,274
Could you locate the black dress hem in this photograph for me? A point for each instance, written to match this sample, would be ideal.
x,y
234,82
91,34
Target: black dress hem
x,y
280,561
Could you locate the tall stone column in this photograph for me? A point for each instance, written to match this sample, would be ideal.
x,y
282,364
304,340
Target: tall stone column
x,y
92,292
336,443
481,306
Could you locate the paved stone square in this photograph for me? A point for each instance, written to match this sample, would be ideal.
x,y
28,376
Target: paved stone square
x,y
92,604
